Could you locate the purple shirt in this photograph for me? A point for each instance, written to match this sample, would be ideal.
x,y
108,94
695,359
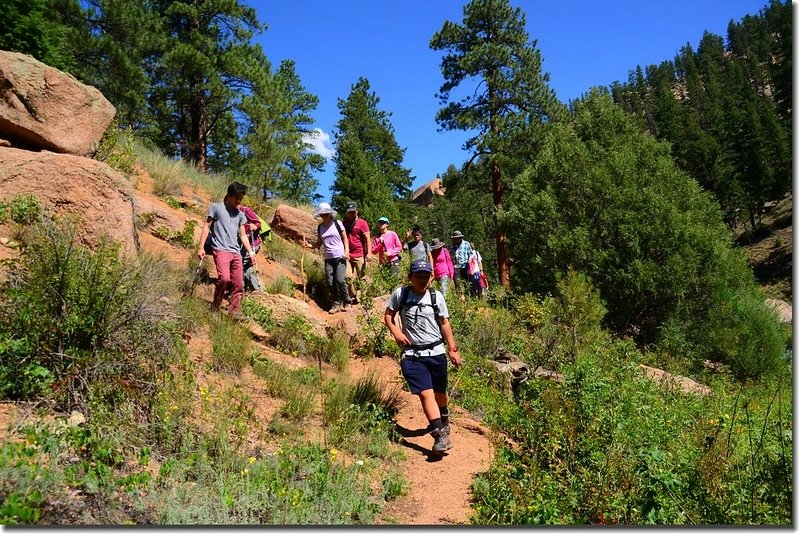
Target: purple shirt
x,y
332,244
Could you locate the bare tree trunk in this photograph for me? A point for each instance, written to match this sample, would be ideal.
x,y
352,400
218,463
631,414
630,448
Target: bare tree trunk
x,y
503,270
199,133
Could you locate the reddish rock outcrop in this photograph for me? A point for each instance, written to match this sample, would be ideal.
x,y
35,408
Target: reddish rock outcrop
x,y
44,108
424,194
294,224
87,189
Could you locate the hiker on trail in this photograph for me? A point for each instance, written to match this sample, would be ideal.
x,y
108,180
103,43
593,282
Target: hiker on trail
x,y
476,273
387,246
460,251
358,239
425,332
225,224
335,251
418,249
442,264
253,230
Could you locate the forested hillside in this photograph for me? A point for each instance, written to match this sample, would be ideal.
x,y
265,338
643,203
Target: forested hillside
x,y
631,239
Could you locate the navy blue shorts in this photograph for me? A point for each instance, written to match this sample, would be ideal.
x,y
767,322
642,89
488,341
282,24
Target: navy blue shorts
x,y
424,373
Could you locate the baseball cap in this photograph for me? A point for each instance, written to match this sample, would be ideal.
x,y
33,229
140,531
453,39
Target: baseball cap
x,y
352,206
383,219
418,266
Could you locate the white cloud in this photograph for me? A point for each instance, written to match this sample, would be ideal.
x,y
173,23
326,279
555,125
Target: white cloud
x,y
320,143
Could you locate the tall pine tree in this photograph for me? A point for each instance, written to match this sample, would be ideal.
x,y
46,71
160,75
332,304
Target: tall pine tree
x,y
368,158
491,50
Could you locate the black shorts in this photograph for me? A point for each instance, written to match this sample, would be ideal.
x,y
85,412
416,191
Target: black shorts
x,y
425,373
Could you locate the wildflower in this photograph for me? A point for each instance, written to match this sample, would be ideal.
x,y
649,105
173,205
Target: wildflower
x,y
252,460
333,453
360,462
245,472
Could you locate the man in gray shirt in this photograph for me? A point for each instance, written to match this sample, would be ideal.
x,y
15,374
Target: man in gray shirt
x,y
226,226
418,249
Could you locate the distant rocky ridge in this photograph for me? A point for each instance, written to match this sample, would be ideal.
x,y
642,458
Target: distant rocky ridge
x,y
424,194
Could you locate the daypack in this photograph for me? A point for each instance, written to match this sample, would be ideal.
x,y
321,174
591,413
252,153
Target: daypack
x,y
266,231
404,303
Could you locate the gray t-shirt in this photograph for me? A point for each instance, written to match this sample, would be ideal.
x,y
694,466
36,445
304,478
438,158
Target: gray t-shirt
x,y
418,250
418,319
225,228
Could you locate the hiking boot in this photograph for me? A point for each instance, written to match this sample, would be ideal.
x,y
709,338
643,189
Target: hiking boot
x,y
335,308
345,307
441,442
354,301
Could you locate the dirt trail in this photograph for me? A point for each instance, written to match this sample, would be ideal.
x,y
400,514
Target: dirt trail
x,y
439,487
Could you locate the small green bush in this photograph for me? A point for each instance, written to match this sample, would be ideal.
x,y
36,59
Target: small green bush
x,y
282,285
258,313
230,344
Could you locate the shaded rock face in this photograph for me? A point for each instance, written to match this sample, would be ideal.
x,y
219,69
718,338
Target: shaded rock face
x,y
294,224
44,108
424,194
88,190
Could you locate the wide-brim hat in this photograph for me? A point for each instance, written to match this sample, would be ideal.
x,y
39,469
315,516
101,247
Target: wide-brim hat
x,y
436,243
323,208
456,234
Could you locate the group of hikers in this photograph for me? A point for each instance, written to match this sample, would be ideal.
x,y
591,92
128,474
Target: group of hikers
x,y
347,247
232,235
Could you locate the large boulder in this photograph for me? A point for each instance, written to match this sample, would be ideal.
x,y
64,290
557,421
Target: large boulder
x,y
44,108
294,224
89,190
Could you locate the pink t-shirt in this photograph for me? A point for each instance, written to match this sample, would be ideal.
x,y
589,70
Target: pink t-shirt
x,y
442,263
387,246
355,235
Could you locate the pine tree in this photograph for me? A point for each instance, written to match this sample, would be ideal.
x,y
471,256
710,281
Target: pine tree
x,y
34,27
277,157
368,158
492,48
208,66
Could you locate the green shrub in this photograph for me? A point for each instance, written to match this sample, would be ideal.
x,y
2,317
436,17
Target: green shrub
x,y
258,313
295,336
601,197
116,149
73,318
298,485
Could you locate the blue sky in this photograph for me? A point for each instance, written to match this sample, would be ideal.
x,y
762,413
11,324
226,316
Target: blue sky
x,y
583,44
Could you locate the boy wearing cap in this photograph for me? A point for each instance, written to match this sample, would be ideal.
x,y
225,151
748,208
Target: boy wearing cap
x,y
425,333
358,238
387,246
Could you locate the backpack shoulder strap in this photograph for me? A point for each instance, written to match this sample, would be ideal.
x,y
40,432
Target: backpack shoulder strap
x,y
433,302
339,225
404,297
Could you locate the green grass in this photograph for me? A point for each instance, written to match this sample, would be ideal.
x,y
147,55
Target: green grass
x,y
230,342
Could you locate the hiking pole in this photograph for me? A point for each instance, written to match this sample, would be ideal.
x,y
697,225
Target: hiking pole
x,y
302,269
195,278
